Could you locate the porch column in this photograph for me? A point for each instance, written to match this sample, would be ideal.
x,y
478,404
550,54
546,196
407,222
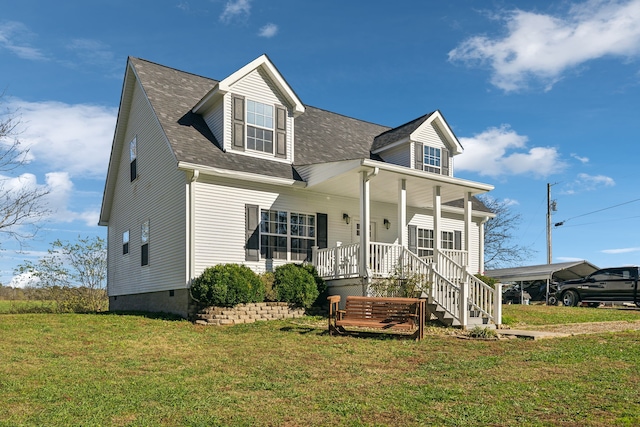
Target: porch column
x,y
364,223
481,246
467,226
402,212
437,218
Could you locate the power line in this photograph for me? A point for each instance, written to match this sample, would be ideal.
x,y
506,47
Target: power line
x,y
601,222
558,224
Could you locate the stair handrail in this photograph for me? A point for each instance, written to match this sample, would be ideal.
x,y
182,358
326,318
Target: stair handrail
x,y
481,295
440,289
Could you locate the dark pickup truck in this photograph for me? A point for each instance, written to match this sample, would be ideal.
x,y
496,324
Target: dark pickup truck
x,y
617,284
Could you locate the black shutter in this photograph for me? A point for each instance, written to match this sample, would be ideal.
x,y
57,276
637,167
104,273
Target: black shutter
x,y
252,234
237,116
444,162
419,156
457,240
281,132
322,230
413,238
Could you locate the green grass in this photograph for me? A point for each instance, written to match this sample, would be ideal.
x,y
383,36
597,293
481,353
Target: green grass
x,y
532,315
26,306
96,370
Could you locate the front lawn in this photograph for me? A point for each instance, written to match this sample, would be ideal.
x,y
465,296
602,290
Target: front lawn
x,y
124,370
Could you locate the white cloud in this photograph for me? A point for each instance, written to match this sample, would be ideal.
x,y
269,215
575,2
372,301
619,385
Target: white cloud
x,y
620,251
501,151
268,30
580,158
60,190
13,37
235,9
74,138
541,47
23,280
585,182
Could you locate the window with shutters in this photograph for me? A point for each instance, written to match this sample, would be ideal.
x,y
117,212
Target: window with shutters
x,y
285,235
259,127
432,158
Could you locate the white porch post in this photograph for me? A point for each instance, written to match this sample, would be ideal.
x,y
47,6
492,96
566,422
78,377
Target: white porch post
x,y
364,223
402,212
437,218
467,226
481,246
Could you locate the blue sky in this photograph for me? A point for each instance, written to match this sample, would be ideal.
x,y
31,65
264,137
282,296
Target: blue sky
x,y
537,92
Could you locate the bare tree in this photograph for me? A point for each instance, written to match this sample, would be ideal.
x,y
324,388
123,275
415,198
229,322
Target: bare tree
x,y
501,248
22,207
73,275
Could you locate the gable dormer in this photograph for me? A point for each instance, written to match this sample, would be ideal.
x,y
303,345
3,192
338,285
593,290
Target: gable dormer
x,y
252,112
426,143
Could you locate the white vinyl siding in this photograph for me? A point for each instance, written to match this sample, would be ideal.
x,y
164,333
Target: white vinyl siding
x,y
256,86
215,120
400,155
157,195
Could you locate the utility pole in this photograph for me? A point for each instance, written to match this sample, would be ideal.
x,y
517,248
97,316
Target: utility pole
x,y
551,207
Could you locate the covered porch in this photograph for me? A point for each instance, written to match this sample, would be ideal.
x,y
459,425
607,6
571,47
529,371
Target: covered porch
x,y
447,274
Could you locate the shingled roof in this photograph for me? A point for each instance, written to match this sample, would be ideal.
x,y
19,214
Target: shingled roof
x,y
321,136
399,133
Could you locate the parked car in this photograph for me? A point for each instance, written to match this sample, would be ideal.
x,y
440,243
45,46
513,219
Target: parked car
x,y
617,284
512,294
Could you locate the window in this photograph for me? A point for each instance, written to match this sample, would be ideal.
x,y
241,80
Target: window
x,y
282,233
144,241
425,242
259,127
125,242
452,240
133,158
431,161
447,240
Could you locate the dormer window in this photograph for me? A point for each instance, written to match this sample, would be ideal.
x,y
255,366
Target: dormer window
x,y
259,127
431,159
431,162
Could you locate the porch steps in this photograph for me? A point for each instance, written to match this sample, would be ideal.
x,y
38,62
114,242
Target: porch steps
x,y
475,318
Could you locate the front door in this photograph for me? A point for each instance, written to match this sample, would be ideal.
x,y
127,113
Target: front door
x,y
356,232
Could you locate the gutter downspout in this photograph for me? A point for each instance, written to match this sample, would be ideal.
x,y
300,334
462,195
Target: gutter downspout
x,y
191,216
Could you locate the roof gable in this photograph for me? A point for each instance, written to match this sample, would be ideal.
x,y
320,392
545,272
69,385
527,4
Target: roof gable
x,y
408,131
265,65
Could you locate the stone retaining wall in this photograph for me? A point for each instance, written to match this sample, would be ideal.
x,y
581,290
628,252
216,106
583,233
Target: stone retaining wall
x,y
247,313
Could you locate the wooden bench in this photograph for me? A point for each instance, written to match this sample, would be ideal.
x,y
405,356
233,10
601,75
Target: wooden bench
x,y
405,314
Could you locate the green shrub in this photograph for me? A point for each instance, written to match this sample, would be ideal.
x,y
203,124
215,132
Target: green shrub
x,y
486,279
270,293
296,284
480,332
227,285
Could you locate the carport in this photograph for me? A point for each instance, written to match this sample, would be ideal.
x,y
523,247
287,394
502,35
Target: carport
x,y
546,272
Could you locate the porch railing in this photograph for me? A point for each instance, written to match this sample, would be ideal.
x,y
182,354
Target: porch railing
x,y
450,282
339,262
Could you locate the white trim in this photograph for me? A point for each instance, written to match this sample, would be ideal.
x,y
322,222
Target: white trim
x,y
246,176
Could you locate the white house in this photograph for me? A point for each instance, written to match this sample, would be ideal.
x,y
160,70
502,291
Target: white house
x,y
204,172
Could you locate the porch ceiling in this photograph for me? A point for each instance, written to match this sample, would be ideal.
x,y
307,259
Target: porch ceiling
x,y
343,179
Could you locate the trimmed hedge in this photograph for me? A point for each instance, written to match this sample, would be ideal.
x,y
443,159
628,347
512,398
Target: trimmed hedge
x,y
296,284
227,285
